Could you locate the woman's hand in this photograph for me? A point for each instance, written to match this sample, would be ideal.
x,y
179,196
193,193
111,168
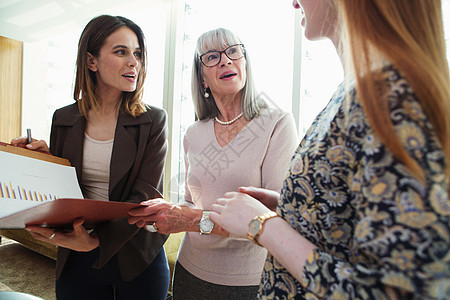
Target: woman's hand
x,y
168,217
78,239
267,197
40,145
234,212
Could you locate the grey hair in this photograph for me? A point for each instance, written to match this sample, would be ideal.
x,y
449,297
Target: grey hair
x,y
206,108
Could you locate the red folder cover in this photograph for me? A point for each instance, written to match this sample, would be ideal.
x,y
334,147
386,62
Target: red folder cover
x,y
60,213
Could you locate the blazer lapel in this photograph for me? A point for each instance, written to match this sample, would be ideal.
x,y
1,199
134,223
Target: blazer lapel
x,y
124,152
73,147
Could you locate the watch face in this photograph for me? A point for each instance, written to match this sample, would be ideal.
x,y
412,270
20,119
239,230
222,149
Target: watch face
x,y
206,225
253,227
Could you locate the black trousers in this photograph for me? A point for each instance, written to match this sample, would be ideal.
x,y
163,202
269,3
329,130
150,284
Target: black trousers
x,y
79,281
188,287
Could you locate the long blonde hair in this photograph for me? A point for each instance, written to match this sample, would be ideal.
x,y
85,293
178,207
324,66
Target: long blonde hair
x,y
409,34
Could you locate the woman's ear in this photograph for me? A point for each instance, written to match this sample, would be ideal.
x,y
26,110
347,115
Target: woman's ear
x,y
91,62
205,85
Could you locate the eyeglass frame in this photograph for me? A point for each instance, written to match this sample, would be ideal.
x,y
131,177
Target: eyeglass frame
x,y
220,55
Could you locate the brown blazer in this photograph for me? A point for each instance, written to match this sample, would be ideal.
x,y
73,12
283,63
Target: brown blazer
x,y
136,174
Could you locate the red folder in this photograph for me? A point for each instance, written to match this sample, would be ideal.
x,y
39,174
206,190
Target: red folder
x,y
60,213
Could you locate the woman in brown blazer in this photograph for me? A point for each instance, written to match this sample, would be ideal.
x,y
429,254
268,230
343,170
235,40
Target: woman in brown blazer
x,y
118,146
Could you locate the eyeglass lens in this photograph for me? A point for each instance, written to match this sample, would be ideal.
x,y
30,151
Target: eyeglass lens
x,y
213,58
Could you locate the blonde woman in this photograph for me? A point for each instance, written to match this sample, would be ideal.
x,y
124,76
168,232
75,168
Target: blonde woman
x,y
364,211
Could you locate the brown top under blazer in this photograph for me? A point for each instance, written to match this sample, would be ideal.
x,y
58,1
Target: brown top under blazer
x,y
136,174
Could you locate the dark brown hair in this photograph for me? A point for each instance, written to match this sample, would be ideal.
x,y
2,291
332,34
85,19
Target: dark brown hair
x,y
91,40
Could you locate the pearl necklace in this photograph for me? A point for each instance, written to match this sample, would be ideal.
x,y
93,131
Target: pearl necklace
x,y
228,122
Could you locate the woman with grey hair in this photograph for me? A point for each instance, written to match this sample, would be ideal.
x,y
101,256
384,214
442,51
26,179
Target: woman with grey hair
x,y
237,141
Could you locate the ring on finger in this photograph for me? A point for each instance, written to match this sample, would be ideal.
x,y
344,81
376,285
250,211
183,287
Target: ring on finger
x,y
152,227
52,236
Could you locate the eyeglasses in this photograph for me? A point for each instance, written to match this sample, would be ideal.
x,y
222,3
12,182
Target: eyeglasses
x,y
212,58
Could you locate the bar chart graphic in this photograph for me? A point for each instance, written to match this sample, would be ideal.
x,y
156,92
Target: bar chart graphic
x,y
27,182
13,191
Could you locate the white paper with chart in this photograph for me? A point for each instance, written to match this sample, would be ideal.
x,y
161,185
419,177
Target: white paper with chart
x,y
26,182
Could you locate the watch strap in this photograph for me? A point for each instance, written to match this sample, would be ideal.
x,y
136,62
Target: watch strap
x,y
205,214
261,219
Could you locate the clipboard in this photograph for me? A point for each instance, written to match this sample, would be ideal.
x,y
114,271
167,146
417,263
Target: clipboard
x,y
61,212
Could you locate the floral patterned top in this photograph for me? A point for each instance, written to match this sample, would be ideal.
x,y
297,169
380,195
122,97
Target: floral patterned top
x,y
380,234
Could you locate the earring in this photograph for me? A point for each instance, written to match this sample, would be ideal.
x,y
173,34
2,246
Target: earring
x,y
206,94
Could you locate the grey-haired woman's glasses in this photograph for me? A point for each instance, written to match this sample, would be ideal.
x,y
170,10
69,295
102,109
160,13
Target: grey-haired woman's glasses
x,y
212,58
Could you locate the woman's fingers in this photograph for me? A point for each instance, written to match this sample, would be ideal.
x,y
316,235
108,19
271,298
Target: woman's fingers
x,y
18,140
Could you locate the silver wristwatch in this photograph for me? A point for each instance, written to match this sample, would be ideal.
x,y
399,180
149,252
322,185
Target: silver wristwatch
x,y
205,224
